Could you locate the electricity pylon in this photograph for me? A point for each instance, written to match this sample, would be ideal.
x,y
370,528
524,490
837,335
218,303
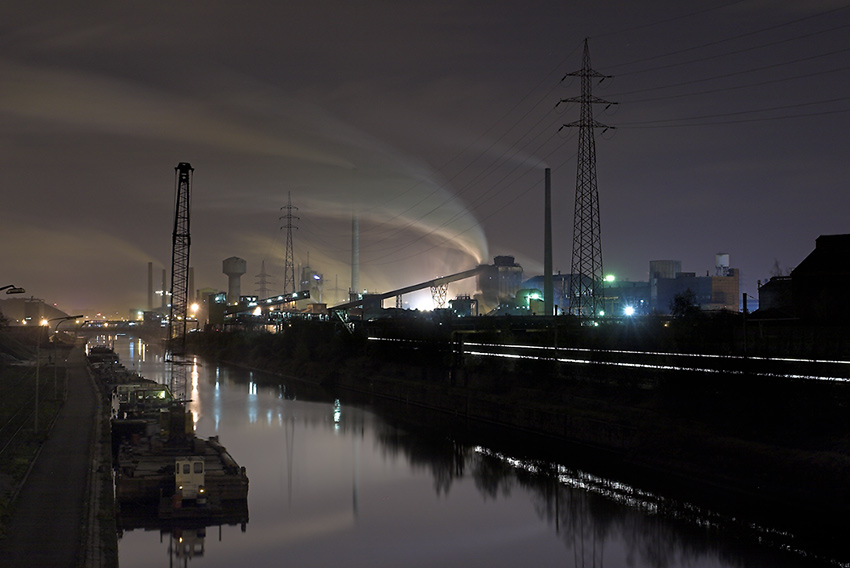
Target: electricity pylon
x,y
289,257
263,290
586,282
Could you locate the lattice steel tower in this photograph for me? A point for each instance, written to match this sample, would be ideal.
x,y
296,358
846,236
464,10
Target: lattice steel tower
x,y
289,260
179,279
586,282
263,283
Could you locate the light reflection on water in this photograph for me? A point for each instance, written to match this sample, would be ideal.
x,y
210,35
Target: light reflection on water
x,y
332,484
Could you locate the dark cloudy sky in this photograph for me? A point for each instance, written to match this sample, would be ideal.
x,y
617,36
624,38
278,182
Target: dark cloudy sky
x,y
433,120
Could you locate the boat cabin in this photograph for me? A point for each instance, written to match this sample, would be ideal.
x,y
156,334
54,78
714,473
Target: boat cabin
x,y
189,477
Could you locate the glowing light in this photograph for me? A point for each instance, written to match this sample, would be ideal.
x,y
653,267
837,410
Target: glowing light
x,y
258,311
629,311
610,278
555,354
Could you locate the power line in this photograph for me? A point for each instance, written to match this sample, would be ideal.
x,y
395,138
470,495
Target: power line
x,y
654,124
736,73
667,21
734,52
725,40
733,88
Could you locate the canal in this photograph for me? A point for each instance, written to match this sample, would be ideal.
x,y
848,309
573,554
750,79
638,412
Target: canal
x,y
333,483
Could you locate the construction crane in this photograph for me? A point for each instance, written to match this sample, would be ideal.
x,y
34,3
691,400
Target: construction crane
x,y
179,280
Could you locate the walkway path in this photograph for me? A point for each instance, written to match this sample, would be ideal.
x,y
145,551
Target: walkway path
x,y
52,516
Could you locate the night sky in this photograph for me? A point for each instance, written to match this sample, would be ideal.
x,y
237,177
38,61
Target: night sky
x,y
434,120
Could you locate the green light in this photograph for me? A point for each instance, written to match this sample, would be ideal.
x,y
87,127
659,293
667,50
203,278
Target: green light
x,y
610,278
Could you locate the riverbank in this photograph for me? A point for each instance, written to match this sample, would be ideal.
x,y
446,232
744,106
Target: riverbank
x,y
66,492
743,437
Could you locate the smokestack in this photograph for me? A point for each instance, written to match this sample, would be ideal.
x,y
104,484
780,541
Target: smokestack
x,y
548,289
164,292
150,286
355,257
191,291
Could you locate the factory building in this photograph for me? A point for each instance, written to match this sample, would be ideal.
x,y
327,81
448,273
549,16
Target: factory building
x,y
716,292
498,283
817,287
313,282
624,297
711,292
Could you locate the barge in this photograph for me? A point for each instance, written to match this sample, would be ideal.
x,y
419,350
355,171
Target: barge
x,y
146,475
160,467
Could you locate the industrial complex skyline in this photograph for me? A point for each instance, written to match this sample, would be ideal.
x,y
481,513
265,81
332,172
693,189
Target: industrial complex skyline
x,y
433,122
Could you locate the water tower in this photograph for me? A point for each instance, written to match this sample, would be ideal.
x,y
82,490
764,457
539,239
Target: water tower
x,y
234,267
722,264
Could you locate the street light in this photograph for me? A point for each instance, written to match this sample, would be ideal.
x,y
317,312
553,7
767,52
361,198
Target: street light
x,y
37,370
56,353
12,289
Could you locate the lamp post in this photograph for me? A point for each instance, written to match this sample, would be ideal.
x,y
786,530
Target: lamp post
x,y
55,349
37,369
12,289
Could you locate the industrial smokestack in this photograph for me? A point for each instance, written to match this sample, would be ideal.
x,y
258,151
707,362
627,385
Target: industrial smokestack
x,y
354,293
190,297
150,286
164,292
548,289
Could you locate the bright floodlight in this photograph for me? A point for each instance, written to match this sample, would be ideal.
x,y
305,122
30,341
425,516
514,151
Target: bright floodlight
x,y
629,311
610,278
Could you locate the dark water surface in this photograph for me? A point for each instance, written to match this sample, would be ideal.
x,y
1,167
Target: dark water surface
x,y
336,485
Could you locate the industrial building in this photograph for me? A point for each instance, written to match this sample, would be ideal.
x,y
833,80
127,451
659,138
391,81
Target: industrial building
x,y
816,288
716,292
498,283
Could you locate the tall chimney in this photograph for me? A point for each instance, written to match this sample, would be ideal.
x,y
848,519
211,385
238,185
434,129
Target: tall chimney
x,y
150,286
354,293
190,299
548,289
164,291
